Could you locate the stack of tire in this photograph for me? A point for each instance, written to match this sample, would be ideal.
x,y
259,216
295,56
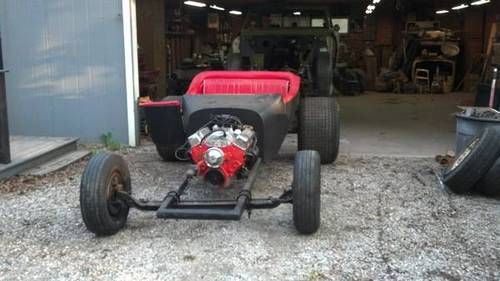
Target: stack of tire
x,y
477,168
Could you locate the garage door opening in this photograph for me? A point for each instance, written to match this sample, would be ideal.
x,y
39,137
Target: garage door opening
x,y
399,72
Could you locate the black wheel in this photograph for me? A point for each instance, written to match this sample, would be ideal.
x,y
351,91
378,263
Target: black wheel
x,y
474,162
319,127
167,146
306,191
489,184
167,153
102,212
323,80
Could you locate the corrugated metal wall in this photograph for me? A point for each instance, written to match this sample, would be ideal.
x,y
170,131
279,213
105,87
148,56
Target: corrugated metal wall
x,y
66,62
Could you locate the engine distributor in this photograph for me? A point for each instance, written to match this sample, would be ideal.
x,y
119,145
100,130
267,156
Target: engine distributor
x,y
223,149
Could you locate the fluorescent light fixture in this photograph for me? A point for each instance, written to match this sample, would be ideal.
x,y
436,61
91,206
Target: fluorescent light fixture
x,y
368,12
376,1
440,12
235,12
480,2
195,4
215,7
297,13
370,7
460,7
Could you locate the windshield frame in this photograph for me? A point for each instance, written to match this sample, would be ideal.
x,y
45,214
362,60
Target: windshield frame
x,y
260,12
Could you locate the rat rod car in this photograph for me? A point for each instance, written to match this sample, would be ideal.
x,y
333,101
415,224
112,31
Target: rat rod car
x,y
227,124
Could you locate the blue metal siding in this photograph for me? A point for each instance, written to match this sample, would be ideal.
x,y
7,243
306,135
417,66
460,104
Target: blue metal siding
x,y
67,69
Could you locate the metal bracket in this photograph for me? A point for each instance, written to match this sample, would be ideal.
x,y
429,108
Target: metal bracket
x,y
4,70
287,196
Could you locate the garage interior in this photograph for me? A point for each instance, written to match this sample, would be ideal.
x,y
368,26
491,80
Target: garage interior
x,y
402,69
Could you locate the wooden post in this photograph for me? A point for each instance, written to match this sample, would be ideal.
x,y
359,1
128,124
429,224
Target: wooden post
x,y
4,124
491,40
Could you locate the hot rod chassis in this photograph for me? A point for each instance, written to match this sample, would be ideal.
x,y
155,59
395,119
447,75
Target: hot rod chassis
x,y
172,207
226,125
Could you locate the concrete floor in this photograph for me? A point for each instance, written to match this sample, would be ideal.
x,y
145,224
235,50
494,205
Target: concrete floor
x,y
386,124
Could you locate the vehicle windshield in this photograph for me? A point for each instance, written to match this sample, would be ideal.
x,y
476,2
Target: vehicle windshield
x,y
287,18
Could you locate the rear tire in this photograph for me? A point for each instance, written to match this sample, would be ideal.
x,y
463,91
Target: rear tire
x,y
165,148
167,152
306,192
102,212
324,76
474,162
319,127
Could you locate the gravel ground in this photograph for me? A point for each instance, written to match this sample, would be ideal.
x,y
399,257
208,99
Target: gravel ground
x,y
382,219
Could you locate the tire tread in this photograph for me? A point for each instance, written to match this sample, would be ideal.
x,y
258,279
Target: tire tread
x,y
319,127
463,178
93,188
490,183
306,189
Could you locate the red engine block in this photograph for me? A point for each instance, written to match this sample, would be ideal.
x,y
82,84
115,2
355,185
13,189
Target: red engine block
x,y
234,160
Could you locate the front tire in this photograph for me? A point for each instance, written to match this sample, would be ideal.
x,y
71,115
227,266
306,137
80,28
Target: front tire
x,y
104,176
319,127
306,192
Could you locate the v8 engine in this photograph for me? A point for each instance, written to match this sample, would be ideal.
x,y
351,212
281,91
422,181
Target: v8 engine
x,y
223,149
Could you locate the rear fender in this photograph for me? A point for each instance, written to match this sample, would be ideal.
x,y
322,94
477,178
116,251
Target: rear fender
x,y
164,120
